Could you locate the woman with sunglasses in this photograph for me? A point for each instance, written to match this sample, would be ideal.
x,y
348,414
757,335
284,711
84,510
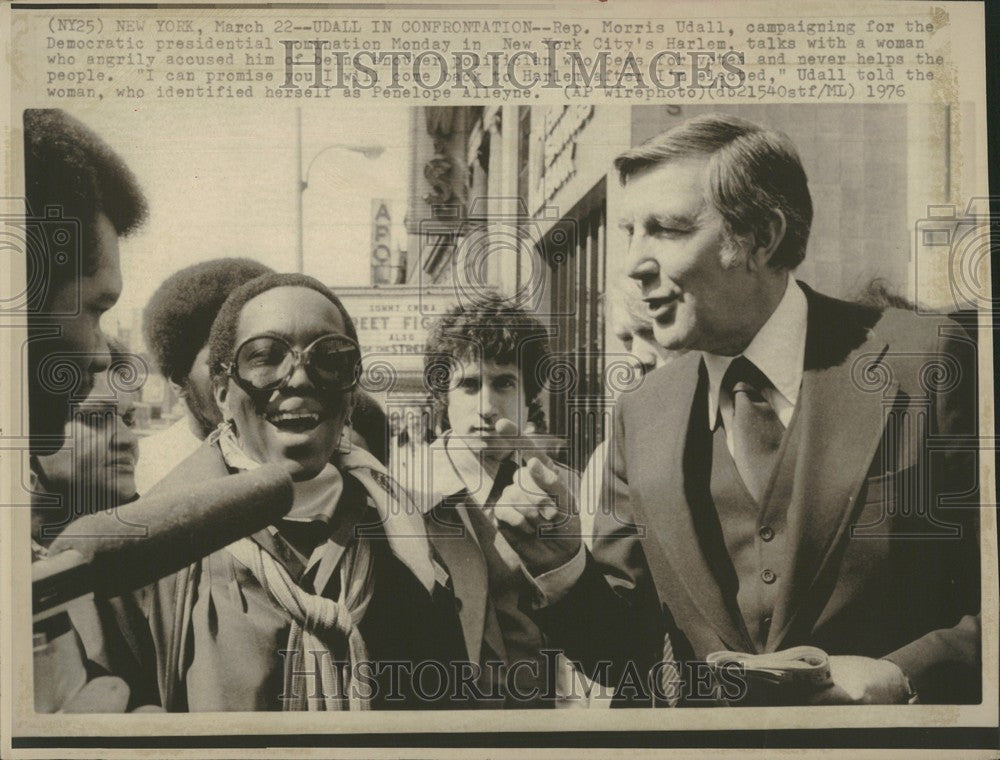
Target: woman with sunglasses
x,y
336,605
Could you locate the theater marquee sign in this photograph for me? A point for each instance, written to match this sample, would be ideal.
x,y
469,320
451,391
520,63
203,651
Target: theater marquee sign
x,y
392,324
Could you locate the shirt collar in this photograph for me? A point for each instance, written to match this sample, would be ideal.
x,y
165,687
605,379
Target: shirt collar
x,y
455,468
313,499
778,350
318,497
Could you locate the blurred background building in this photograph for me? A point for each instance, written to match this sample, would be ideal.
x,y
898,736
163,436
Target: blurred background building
x,y
520,199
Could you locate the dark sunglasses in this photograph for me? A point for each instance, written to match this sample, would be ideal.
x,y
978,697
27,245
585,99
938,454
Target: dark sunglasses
x,y
267,363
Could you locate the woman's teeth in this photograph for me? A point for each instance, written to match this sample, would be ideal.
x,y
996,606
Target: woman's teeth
x,y
296,421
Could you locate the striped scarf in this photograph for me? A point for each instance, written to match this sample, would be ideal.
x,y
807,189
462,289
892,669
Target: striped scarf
x,y
319,626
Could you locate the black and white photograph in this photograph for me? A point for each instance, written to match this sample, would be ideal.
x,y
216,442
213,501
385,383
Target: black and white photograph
x,y
497,419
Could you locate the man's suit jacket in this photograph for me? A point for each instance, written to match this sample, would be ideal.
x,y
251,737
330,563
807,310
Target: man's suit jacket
x,y
446,502
883,543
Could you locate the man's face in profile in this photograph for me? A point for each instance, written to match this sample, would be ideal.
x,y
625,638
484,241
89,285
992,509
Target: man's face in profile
x,y
76,309
691,275
95,468
640,341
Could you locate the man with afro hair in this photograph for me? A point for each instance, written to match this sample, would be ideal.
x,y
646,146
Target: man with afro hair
x,y
176,323
81,198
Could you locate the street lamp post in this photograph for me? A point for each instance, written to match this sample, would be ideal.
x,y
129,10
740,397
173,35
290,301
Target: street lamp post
x,y
371,152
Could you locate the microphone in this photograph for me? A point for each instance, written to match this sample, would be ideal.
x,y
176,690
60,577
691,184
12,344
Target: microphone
x,y
119,550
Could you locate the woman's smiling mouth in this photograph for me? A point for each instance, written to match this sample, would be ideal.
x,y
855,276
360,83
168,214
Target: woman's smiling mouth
x,y
294,421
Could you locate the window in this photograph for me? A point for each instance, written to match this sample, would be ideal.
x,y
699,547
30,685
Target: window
x,y
575,250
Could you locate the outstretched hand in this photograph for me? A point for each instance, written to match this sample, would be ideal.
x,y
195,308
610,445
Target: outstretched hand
x,y
537,513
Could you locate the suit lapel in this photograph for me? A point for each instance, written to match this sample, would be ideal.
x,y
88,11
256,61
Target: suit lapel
x,y
841,413
467,570
690,546
453,538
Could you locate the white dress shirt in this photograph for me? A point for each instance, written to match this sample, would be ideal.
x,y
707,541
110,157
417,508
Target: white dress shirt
x,y
778,350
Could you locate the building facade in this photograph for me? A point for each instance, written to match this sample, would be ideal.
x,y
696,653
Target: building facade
x,y
524,200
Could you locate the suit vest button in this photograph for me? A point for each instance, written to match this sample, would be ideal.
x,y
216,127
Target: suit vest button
x,y
768,576
766,533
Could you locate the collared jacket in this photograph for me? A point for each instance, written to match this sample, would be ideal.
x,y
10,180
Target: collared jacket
x,y
208,638
448,500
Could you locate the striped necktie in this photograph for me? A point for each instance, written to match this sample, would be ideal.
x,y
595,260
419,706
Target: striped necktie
x,y
756,430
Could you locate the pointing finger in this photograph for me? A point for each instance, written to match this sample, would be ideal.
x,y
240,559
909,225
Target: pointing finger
x,y
544,458
549,480
511,518
545,476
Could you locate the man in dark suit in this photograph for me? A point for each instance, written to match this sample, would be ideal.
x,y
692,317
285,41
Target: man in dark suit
x,y
805,474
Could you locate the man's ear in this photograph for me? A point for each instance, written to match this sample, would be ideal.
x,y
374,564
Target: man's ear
x,y
221,393
767,240
179,390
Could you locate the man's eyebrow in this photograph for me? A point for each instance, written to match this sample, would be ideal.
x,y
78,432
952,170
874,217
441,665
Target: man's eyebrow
x,y
672,220
268,334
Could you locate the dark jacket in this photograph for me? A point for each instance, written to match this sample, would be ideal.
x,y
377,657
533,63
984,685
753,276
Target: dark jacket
x,y
883,555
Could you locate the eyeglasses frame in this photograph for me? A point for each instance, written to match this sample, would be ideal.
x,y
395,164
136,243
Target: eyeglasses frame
x,y
300,357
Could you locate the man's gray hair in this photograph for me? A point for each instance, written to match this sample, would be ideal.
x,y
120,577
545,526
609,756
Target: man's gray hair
x,y
752,172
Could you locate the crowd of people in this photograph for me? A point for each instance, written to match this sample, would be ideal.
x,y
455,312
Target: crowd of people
x,y
754,497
